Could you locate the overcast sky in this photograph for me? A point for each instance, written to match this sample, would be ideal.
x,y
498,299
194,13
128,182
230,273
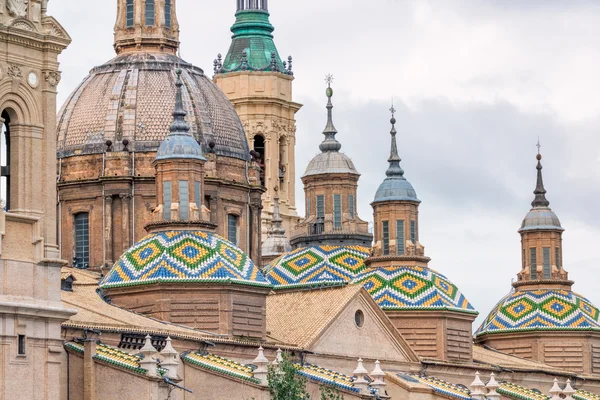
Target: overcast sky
x,y
475,83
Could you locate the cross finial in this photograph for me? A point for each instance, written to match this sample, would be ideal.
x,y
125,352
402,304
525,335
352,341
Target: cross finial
x,y
393,110
329,79
539,146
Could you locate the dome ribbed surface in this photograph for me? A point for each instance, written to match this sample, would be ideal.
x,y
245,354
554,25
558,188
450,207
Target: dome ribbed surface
x,y
413,288
133,97
541,219
396,189
541,310
331,162
317,266
183,257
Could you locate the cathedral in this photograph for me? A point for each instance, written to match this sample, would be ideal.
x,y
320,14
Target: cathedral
x,y
151,247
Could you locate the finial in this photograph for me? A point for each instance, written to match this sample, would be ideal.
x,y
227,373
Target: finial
x,y
179,125
394,160
330,143
273,62
277,227
540,192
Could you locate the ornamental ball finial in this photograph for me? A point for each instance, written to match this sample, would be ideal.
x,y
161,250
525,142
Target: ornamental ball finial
x,y
539,157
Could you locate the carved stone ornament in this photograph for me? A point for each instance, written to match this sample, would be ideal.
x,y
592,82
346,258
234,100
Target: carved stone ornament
x,y
52,77
17,8
14,71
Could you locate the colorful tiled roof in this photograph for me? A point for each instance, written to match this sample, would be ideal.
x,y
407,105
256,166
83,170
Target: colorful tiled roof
x,y
583,395
517,392
112,356
221,365
533,310
413,288
183,257
443,387
317,266
327,376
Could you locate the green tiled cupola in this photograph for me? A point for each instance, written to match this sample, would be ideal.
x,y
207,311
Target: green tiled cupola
x,y
252,47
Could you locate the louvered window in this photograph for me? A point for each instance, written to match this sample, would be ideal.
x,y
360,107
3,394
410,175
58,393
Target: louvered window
x,y
546,254
533,263
232,222
413,232
308,210
320,206
337,211
400,237
198,195
351,205
82,241
150,13
168,13
184,200
129,12
167,200
386,237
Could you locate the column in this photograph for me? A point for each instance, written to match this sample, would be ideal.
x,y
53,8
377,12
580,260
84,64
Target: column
x,y
126,223
108,232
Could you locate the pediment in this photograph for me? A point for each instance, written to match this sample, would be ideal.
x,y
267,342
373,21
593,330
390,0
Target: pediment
x,y
53,28
25,24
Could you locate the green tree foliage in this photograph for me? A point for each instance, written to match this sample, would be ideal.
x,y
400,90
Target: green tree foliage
x,y
330,393
285,383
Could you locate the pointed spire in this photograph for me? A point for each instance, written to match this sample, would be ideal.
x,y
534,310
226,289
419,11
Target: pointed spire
x,y
394,160
540,192
277,227
330,143
179,125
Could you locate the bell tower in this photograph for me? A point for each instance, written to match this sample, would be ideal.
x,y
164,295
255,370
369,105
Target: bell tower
x,y
31,312
259,84
146,25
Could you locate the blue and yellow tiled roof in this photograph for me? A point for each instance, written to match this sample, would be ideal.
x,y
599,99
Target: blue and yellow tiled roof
x,y
112,356
534,310
183,257
412,288
517,392
584,395
317,266
326,376
221,365
439,386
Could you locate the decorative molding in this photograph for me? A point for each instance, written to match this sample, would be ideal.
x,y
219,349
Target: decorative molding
x,y
52,77
17,8
14,71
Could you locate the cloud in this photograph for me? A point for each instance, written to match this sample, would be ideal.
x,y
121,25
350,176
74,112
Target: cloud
x,y
475,83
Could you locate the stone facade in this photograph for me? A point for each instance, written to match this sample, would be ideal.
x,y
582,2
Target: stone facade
x,y
264,102
31,351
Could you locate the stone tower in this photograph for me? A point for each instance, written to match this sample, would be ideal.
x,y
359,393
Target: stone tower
x,y
113,123
259,84
330,186
542,318
428,310
31,312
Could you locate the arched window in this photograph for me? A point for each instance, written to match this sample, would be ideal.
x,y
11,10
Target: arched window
x,y
129,13
260,148
232,228
150,15
168,13
5,160
282,162
82,241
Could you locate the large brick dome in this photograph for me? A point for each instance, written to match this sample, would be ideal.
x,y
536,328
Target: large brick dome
x,y
133,96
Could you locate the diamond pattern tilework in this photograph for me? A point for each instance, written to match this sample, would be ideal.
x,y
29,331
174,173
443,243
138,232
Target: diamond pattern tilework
x,y
541,310
317,266
402,288
183,256
326,376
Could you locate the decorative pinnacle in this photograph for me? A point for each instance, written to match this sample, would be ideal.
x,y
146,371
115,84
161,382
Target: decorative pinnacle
x,y
330,143
540,192
394,160
179,126
277,227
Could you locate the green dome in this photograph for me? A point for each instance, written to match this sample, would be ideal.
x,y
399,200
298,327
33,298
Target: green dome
x,y
252,47
183,257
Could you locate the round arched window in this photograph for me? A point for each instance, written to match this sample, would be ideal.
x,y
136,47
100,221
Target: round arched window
x,y
359,318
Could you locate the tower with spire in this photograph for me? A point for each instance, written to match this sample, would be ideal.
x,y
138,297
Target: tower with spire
x,y
542,318
330,185
259,84
425,307
396,213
